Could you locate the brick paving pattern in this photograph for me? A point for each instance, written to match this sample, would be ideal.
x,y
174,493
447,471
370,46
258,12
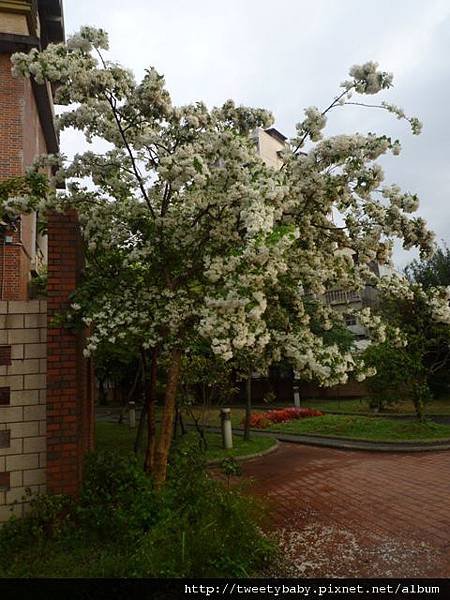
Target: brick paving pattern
x,y
355,514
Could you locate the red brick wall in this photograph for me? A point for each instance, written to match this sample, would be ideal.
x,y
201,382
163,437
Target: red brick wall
x,y
353,389
284,392
69,381
5,355
4,480
12,99
11,164
69,397
21,141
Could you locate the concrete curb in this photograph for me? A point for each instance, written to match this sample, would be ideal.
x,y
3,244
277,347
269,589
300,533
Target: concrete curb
x,y
347,444
218,461
341,444
404,416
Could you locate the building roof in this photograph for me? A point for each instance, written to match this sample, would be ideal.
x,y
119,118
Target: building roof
x,y
52,21
276,134
51,30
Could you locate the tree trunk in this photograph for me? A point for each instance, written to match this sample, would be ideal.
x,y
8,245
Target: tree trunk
x,y
419,398
200,430
141,428
102,395
162,448
175,423
248,407
150,395
182,427
130,396
143,415
116,395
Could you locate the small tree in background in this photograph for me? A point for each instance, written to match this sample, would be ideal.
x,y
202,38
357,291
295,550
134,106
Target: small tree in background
x,y
432,272
199,238
394,368
417,344
205,381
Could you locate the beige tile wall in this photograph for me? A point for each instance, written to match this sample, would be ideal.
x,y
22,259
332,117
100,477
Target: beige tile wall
x,y
23,325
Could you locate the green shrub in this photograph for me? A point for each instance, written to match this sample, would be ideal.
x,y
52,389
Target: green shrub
x,y
389,385
117,496
122,527
208,531
38,286
47,518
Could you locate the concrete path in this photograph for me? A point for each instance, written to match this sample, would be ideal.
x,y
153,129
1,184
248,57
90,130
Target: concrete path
x,y
356,514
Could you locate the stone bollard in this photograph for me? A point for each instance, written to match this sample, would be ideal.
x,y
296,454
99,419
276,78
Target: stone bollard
x,y
132,414
296,396
227,433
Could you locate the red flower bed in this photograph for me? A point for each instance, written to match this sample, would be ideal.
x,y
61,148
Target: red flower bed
x,y
261,420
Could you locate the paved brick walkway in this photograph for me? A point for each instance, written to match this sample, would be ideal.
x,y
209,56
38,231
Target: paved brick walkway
x,y
350,513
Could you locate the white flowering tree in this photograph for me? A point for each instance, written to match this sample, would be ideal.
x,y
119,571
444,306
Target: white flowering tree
x,y
192,240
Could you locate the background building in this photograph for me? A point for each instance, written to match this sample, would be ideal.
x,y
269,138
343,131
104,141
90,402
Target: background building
x,y
270,144
26,131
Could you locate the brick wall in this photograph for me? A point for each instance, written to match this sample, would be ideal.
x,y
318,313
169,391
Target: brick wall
x,y
26,406
353,389
69,383
12,101
21,141
23,367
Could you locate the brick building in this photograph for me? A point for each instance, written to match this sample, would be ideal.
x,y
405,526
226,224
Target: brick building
x,y
45,398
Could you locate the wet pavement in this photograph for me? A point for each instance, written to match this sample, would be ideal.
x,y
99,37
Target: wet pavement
x,y
341,513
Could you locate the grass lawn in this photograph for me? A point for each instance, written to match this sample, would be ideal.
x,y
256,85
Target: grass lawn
x,y
111,436
356,426
366,428
361,405
358,406
210,415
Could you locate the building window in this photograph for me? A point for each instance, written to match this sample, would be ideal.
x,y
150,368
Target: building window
x,y
350,320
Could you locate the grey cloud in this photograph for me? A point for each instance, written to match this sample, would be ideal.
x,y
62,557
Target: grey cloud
x,y
287,55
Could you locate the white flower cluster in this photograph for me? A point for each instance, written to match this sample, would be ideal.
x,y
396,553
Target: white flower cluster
x,y
16,205
313,124
406,202
416,125
439,300
89,38
373,324
367,79
396,286
436,300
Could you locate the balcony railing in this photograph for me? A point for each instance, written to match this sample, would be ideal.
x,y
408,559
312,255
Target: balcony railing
x,y
342,296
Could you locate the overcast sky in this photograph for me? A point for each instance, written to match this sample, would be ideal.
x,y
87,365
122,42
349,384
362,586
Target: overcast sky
x,y
290,54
